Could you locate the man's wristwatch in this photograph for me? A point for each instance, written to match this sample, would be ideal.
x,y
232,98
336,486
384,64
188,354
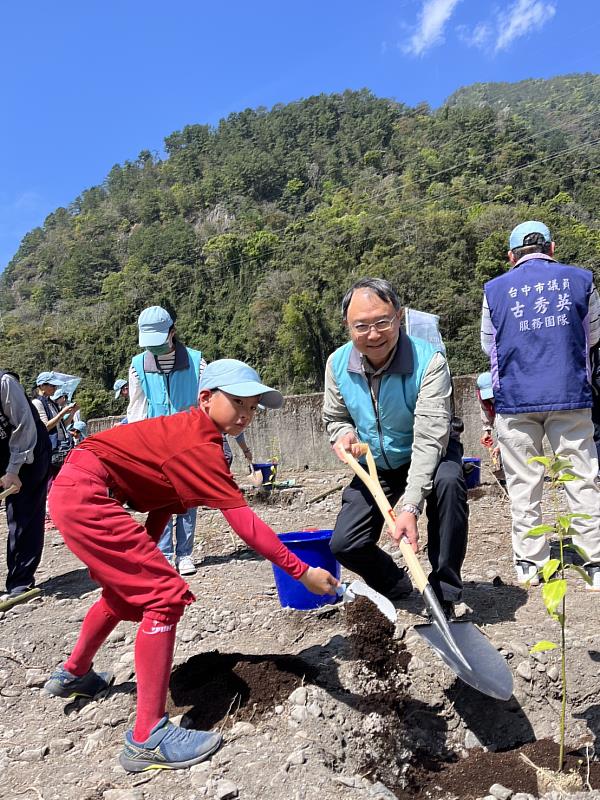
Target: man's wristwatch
x,y
411,509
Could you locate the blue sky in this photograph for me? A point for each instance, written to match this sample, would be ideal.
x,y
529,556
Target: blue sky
x,y
87,85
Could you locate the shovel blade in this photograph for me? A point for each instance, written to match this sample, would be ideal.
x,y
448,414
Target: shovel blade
x,y
481,665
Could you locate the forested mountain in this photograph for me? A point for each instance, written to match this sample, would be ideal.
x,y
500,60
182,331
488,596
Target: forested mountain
x,y
250,232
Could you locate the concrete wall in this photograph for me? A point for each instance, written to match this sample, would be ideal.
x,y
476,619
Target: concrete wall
x,y
295,433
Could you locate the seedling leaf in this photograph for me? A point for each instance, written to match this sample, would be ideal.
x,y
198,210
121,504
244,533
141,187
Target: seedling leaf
x,y
540,460
539,530
550,568
542,646
579,550
553,593
581,572
566,477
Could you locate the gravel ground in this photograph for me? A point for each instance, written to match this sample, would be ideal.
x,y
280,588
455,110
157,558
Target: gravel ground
x,y
324,724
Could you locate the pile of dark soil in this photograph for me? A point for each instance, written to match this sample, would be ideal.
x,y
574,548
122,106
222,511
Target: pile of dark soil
x,y
372,639
472,777
210,686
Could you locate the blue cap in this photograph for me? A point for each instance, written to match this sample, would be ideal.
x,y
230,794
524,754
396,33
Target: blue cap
x,y
154,324
48,377
484,384
79,425
61,391
524,229
237,378
117,386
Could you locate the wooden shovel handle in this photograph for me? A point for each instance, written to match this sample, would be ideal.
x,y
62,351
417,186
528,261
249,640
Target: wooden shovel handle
x,y
371,481
6,492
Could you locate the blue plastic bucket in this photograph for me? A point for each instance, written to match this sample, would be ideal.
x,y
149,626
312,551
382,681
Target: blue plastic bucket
x,y
472,470
269,471
313,548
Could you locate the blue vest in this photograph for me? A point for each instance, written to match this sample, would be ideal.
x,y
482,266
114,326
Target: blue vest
x,y
177,391
389,433
539,359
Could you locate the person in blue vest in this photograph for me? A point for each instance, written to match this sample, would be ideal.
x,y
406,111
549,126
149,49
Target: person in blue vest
x,y
393,391
539,321
163,380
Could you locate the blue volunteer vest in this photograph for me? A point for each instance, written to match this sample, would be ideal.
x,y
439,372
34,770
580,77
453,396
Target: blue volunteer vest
x,y
390,432
539,360
177,391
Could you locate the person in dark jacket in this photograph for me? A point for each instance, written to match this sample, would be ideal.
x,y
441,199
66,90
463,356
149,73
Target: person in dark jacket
x,y
24,469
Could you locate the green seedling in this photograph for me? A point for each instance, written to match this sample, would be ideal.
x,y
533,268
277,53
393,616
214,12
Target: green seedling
x,y
554,571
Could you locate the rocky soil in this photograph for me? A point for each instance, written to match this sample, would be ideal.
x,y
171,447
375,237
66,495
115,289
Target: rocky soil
x,y
330,704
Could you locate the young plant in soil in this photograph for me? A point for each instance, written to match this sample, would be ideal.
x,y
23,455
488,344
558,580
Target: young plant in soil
x,y
554,571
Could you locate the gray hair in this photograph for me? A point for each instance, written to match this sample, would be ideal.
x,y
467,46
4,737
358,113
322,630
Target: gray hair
x,y
382,288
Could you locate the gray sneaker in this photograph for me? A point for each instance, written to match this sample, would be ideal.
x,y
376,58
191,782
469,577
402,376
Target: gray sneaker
x,y
168,747
63,683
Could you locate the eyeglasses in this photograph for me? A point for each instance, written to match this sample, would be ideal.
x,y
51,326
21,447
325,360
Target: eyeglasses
x,y
382,325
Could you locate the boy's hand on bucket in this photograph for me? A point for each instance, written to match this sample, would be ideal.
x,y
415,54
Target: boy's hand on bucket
x,y
318,581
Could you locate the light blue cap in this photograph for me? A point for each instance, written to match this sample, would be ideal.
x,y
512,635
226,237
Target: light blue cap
x,y
61,391
237,378
524,229
484,384
48,377
79,425
154,324
117,386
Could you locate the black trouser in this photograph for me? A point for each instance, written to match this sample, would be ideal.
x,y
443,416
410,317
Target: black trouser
x,y
597,439
359,526
25,512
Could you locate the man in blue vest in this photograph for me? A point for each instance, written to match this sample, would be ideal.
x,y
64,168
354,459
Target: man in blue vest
x,y
539,321
393,391
163,380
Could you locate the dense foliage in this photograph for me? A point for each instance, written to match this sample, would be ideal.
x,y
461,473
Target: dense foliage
x,y
250,232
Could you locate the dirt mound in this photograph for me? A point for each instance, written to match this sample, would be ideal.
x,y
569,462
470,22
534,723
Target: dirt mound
x,y
372,639
472,777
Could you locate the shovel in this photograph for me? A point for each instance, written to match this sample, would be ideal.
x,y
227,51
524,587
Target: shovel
x,y
461,646
6,492
350,591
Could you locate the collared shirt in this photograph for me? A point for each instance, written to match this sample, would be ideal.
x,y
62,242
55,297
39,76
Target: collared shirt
x,y
432,418
18,412
373,375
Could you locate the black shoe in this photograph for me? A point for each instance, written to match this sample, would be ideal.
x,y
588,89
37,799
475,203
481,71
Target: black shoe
x,y
447,608
401,590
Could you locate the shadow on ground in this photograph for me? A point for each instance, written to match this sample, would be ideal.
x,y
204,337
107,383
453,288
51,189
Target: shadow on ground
x,y
71,584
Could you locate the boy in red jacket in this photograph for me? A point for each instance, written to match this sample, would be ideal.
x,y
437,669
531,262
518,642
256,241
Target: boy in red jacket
x,y
163,466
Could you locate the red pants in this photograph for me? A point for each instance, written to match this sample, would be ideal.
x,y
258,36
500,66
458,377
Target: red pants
x,y
118,551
